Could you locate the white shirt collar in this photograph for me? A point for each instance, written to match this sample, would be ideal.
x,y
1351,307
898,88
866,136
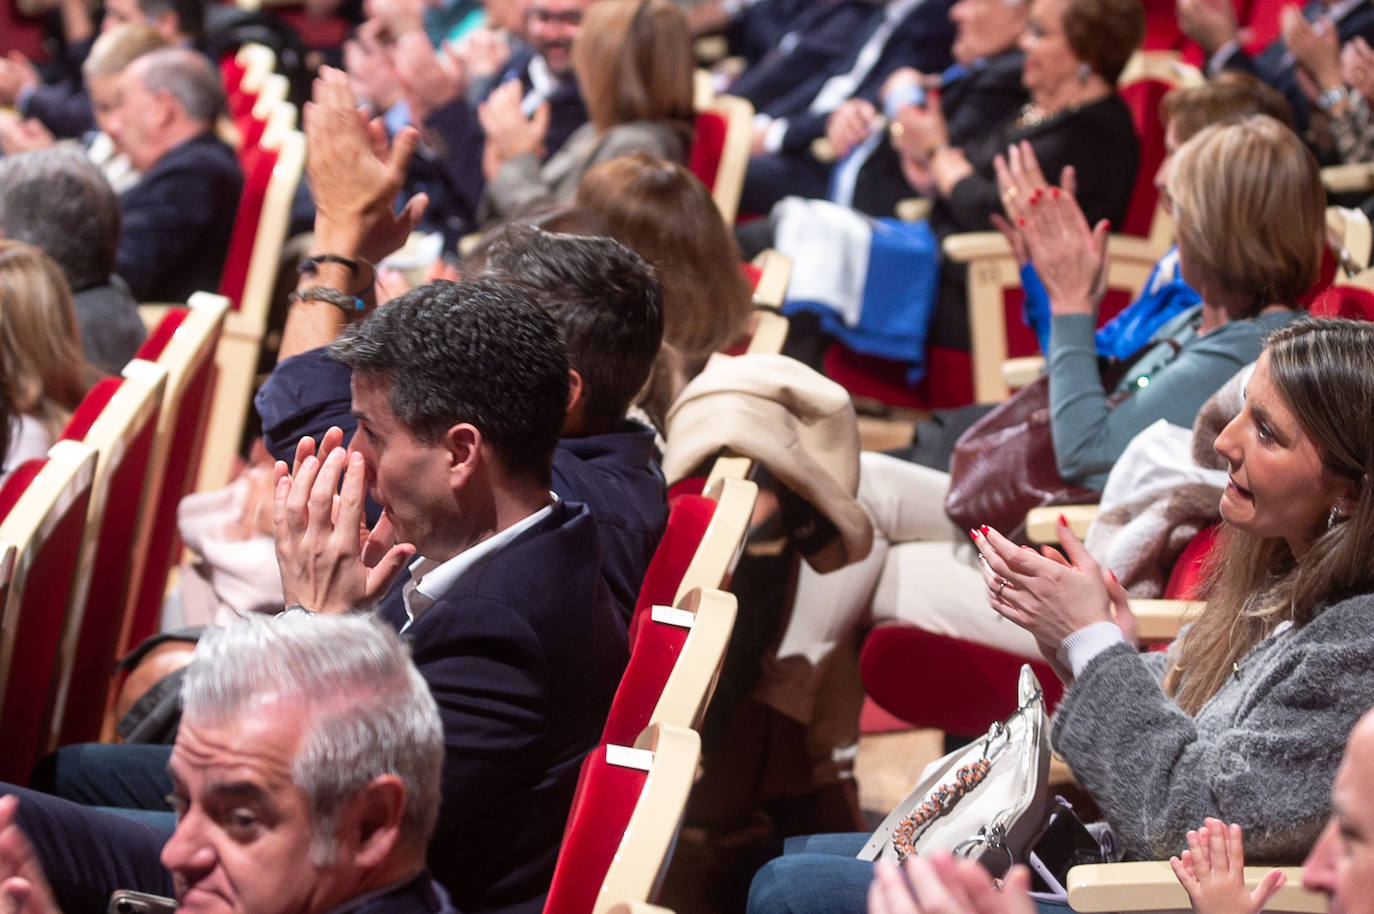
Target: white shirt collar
x,y
430,580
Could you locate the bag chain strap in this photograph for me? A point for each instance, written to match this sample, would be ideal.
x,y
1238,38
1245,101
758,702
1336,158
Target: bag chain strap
x,y
941,801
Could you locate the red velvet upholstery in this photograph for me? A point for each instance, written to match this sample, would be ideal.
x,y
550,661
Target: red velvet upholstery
x,y
935,681
752,274
708,145
38,628
1354,302
1143,99
688,518
601,810
183,462
230,75
111,571
655,650
21,33
257,166
1185,581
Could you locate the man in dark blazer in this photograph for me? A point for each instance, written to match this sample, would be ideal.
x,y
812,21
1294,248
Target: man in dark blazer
x,y
838,49
542,65
178,218
324,742
459,391
1213,25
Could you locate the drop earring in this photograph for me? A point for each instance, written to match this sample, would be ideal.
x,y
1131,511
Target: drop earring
x,y
1334,518
1085,73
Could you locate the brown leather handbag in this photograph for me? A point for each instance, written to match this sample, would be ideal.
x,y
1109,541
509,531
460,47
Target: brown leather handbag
x,y
1004,465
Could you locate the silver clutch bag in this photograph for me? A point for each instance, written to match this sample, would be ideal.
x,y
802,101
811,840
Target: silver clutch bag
x,y
986,801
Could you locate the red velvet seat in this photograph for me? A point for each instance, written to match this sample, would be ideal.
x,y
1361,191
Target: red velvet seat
x,y
118,418
720,151
674,662
42,514
184,343
623,822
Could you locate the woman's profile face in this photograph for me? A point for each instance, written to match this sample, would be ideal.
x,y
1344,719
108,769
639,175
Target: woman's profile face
x,y
1278,485
1050,63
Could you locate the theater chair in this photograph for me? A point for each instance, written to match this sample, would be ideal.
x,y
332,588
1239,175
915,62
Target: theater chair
x,y
272,171
118,417
701,543
674,664
768,275
624,821
994,280
720,149
43,507
183,342
630,907
244,73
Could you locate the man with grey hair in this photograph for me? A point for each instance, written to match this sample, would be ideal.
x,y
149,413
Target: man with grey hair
x,y
305,778
179,216
57,200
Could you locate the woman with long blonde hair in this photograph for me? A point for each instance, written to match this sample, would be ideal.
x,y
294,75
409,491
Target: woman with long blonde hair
x,y
40,349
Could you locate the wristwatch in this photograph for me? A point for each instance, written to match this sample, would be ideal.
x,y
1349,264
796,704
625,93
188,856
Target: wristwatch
x,y
1332,97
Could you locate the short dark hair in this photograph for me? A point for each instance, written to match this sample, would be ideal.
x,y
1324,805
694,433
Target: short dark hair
x,y
606,298
190,14
478,351
57,201
1104,33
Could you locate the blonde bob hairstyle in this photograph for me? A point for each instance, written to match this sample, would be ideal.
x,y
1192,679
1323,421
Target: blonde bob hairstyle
x,y
1250,209
633,60
40,344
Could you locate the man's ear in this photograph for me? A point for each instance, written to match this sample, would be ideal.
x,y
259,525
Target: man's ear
x,y
464,444
576,416
370,822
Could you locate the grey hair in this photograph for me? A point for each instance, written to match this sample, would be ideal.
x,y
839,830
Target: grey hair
x,y
372,711
188,76
58,201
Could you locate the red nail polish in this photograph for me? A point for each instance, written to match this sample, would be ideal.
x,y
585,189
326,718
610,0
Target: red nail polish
x,y
1115,579
984,528
1021,221
973,534
1055,192
1063,521
1109,225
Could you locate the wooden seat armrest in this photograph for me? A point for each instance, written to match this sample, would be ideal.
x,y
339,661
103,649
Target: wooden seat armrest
x,y
1357,177
1160,620
966,246
1150,886
913,209
1019,372
1041,522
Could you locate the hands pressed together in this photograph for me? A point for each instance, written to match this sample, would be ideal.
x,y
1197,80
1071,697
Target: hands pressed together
x,y
330,561
1046,227
509,132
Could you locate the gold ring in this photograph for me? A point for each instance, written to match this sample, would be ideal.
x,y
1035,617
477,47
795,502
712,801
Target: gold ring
x,y
896,129
1010,194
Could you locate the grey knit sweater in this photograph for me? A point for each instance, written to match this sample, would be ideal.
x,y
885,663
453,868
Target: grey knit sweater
x,y
1261,753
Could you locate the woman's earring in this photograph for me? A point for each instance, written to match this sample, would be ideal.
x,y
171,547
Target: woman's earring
x,y
1334,518
1085,73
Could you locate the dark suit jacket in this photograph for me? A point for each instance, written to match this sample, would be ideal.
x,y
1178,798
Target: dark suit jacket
x,y
420,895
824,42
1274,66
62,103
978,102
523,655
456,159
177,221
616,475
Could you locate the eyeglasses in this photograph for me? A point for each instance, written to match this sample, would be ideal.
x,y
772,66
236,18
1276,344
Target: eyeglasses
x,y
547,17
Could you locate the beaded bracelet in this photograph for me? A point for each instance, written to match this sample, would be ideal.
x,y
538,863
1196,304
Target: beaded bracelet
x,y
941,801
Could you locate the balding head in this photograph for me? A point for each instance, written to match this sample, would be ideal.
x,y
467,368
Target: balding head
x,y
165,98
1341,864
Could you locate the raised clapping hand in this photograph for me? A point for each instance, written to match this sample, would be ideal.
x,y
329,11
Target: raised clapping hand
x,y
509,132
330,561
23,887
1211,23
1316,45
354,177
1046,226
1050,596
1212,871
429,80
939,884
1357,67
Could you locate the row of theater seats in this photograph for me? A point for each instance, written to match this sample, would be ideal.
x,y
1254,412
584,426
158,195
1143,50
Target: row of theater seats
x,y
88,533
